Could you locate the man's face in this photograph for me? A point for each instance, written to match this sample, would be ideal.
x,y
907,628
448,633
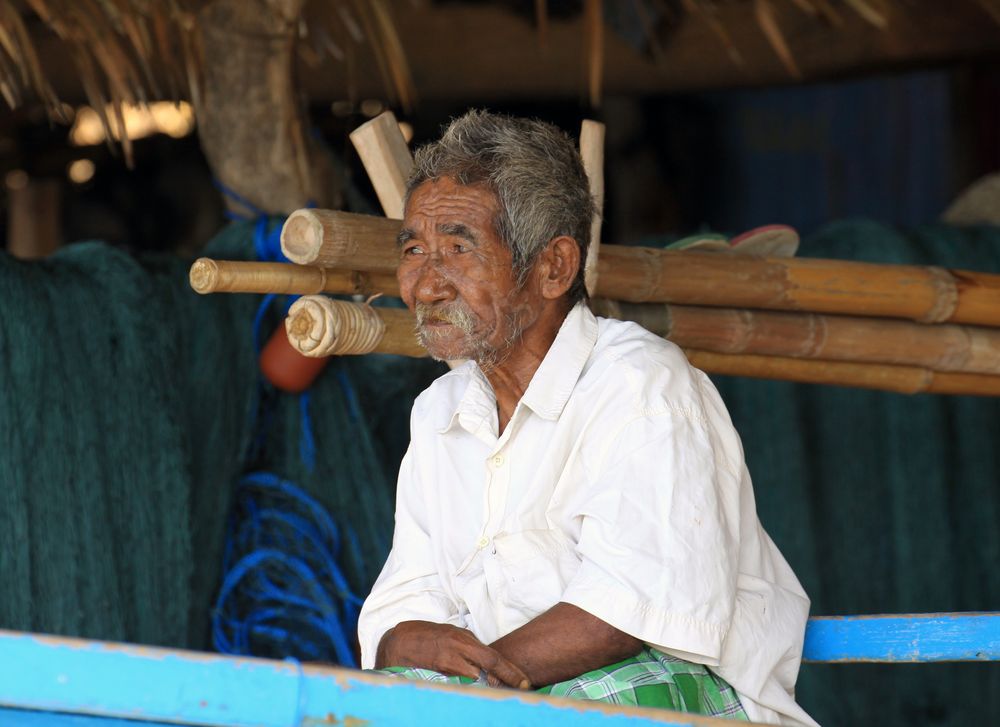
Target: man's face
x,y
455,274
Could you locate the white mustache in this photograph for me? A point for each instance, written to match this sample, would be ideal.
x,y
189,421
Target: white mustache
x,y
455,313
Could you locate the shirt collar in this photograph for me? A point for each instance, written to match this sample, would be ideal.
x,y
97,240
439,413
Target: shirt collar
x,y
551,385
477,404
559,371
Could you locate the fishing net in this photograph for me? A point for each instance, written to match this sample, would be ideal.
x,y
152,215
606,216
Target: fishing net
x,y
131,407
882,502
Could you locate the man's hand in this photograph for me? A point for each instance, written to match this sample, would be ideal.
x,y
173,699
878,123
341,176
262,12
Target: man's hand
x,y
448,650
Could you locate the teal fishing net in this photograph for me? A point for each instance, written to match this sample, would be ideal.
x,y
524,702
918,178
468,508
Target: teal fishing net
x,y
131,407
882,502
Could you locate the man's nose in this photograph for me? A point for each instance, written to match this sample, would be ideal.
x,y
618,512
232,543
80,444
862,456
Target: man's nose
x,y
433,285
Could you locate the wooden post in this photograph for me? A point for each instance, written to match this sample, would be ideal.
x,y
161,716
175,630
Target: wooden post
x,y
252,123
33,216
592,153
387,159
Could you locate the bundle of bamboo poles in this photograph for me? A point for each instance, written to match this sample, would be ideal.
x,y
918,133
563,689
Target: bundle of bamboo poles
x,y
902,328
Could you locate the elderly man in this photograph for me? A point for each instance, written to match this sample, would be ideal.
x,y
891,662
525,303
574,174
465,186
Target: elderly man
x,y
574,512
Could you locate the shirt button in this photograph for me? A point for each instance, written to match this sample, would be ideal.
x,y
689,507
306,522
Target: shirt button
x,y
498,460
482,542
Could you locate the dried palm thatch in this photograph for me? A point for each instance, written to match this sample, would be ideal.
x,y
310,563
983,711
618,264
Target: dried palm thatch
x,y
133,51
128,51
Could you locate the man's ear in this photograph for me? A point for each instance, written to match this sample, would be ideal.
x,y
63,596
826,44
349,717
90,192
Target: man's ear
x,y
558,266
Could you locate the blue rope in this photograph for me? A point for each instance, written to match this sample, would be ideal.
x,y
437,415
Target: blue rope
x,y
254,210
267,241
307,443
284,592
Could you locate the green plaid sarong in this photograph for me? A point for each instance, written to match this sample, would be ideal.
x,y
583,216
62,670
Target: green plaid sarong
x,y
649,679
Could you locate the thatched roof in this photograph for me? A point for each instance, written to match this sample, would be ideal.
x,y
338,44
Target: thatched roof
x,y
132,50
113,52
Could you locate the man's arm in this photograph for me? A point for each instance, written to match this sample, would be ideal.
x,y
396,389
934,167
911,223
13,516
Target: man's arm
x,y
408,619
563,643
448,650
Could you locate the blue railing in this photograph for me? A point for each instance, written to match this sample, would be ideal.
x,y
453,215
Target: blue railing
x,y
62,682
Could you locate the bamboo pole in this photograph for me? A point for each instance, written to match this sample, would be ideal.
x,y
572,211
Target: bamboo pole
x,y
335,239
941,347
237,276
925,294
399,338
319,326
901,379
641,275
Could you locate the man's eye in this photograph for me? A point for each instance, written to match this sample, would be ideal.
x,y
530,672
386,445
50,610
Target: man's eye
x,y
413,250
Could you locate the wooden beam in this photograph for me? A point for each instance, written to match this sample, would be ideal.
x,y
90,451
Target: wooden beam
x,y
33,216
387,159
592,153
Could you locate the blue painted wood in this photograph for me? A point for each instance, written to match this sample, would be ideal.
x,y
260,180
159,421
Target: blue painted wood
x,y
162,685
23,718
904,638
68,679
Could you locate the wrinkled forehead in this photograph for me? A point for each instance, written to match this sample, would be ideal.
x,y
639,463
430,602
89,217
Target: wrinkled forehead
x,y
443,199
450,186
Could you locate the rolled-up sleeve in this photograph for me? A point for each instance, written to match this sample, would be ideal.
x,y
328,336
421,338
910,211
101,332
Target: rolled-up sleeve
x,y
659,536
409,587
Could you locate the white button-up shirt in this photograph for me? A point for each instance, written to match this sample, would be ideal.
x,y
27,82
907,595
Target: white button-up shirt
x,y
618,486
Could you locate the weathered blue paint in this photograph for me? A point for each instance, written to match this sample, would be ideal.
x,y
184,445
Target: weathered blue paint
x,y
66,680
161,685
904,638
23,718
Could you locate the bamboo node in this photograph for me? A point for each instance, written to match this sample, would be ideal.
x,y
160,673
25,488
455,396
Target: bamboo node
x,y
320,326
945,288
300,324
204,275
301,237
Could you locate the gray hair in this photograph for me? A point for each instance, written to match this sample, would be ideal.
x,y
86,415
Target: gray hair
x,y
535,172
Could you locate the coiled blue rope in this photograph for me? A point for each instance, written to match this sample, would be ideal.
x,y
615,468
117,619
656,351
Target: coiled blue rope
x,y
284,593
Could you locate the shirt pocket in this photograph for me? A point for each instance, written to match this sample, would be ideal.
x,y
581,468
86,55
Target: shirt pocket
x,y
536,566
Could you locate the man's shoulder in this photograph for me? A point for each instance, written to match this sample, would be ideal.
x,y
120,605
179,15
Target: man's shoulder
x,y
628,357
436,404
